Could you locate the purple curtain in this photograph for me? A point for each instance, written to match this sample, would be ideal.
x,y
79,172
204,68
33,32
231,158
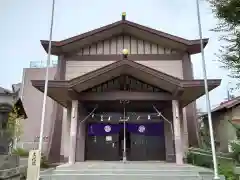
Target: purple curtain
x,y
98,129
147,129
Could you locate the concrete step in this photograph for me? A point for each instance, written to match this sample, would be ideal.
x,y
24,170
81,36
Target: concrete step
x,y
131,167
131,171
108,174
130,176
118,177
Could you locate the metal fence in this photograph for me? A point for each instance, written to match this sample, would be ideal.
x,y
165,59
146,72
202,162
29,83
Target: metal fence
x,y
31,145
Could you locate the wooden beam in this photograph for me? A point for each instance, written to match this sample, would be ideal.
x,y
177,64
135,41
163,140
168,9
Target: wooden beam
x,y
124,95
178,92
72,94
115,57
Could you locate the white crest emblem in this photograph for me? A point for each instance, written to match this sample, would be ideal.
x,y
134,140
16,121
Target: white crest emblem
x,y
107,128
141,129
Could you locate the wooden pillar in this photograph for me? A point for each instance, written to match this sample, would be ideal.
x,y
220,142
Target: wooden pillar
x,y
177,132
73,132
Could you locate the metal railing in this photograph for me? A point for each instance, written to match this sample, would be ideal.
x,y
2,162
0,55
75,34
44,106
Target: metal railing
x,y
31,145
43,64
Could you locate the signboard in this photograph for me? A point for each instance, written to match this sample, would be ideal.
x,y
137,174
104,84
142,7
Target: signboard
x,y
33,165
108,138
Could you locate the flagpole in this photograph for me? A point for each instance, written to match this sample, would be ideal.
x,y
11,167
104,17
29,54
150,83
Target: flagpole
x,y
215,166
46,81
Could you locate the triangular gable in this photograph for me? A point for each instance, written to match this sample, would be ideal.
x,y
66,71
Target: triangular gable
x,y
119,28
126,67
125,83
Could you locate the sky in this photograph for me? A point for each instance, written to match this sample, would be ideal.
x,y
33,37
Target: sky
x,y
25,22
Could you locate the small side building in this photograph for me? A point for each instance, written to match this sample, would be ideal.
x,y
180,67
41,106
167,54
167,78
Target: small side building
x,y
8,100
226,119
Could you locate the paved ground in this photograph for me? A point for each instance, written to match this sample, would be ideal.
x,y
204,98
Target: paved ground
x,y
23,161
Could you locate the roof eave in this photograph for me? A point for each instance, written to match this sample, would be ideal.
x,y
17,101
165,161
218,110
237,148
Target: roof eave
x,y
55,50
193,46
213,83
21,110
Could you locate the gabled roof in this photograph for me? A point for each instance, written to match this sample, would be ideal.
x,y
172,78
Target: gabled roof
x,y
187,90
20,108
124,27
224,106
5,91
8,107
227,104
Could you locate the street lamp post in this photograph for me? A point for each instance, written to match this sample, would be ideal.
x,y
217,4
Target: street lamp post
x,y
216,176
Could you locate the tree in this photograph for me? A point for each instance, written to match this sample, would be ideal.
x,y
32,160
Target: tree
x,y
13,125
228,14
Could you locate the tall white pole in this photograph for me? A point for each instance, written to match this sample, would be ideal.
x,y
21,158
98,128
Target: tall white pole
x,y
46,81
215,166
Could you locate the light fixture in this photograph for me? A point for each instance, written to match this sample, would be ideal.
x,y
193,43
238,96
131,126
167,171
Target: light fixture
x,y
125,53
149,117
138,117
101,117
109,118
93,115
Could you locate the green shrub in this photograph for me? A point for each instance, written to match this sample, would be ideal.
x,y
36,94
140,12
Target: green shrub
x,y
199,159
21,152
228,171
236,151
226,165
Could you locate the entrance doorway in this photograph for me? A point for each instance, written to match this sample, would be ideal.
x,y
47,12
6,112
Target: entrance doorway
x,y
143,137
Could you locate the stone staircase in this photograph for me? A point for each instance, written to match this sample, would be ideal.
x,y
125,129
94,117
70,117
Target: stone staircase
x,y
129,170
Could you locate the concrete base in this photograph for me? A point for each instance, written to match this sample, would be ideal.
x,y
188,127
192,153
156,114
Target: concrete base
x,y
13,173
8,161
91,170
10,167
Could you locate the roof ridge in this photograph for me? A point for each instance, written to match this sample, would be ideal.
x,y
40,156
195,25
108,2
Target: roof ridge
x,y
4,90
131,23
110,29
